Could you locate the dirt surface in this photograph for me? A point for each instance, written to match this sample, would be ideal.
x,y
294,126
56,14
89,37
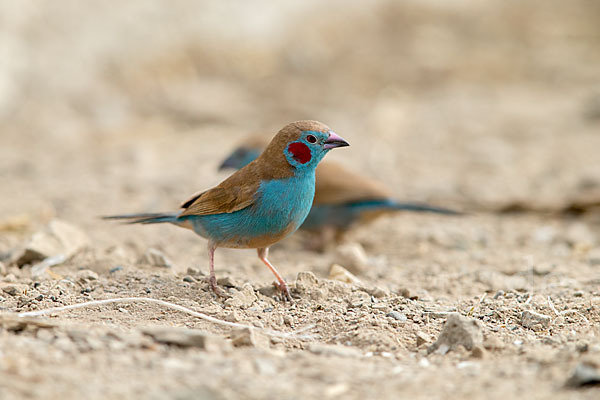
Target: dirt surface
x,y
112,108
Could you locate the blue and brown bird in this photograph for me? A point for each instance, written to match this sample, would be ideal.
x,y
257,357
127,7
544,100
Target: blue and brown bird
x,y
343,198
261,203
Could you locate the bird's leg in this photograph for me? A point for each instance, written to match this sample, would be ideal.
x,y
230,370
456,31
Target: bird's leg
x,y
212,279
281,285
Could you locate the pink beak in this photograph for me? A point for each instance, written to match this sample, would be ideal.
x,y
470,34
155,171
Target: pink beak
x,y
334,141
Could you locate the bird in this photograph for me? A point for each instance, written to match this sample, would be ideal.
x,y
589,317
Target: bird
x,y
259,204
343,198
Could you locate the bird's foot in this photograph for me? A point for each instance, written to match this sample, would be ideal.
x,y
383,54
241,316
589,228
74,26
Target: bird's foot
x,y
285,291
212,282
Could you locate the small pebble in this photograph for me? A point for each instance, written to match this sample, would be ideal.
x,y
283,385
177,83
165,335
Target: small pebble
x,y
493,343
397,316
243,298
458,331
339,273
184,337
377,293
535,321
258,324
477,352
227,281
353,257
14,289
582,347
189,279
155,258
115,269
249,337
86,275
422,338
585,374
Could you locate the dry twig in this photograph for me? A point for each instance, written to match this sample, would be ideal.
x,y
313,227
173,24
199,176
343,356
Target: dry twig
x,y
287,335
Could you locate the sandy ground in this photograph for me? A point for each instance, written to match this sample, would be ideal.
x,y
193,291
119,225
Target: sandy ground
x,y
109,108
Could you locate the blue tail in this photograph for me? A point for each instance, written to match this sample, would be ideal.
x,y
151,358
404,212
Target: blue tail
x,y
344,215
146,218
390,204
421,207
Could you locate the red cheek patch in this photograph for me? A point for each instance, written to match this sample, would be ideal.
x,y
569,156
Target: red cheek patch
x,y
300,152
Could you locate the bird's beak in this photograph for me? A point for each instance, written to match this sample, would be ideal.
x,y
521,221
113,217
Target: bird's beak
x,y
334,141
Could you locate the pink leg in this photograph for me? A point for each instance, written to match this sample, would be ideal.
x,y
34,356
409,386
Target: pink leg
x,y
263,254
212,279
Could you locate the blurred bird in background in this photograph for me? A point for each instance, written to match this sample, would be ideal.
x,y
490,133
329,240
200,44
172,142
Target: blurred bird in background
x,y
343,198
261,203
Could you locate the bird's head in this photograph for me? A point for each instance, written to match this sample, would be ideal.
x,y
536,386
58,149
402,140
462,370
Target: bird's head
x,y
302,145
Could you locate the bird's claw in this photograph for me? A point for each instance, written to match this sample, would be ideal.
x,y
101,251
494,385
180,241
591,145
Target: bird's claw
x,y
285,291
217,290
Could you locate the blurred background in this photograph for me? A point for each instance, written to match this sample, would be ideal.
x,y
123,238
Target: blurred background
x,y
129,106
110,107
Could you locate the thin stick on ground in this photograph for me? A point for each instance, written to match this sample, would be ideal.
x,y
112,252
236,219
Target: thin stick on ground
x,y
287,335
551,305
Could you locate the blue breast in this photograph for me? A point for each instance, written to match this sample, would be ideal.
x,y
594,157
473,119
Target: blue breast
x,y
279,209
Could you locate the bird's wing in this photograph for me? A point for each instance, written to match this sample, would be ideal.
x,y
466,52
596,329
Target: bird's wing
x,y
233,194
337,185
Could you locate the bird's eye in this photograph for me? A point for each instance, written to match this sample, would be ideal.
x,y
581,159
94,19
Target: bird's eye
x,y
311,139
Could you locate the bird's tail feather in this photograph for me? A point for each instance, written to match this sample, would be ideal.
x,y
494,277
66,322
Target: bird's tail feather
x,y
145,218
420,207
